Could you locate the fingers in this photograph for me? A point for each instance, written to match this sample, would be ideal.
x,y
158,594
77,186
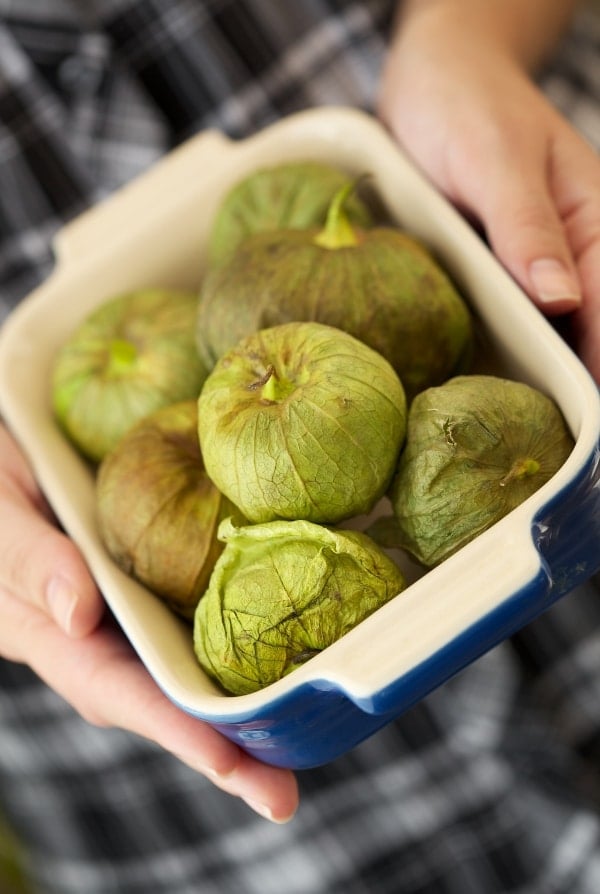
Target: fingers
x,y
578,192
50,610
528,236
586,320
106,683
41,566
270,791
124,695
527,233
544,225
38,564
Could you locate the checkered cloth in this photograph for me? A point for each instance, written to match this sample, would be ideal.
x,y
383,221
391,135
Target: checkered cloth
x,y
488,786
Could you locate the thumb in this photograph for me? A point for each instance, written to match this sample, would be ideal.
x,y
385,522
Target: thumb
x,y
38,563
528,236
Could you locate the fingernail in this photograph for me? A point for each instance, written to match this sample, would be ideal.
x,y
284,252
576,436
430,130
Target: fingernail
x,y
553,283
261,809
266,812
61,599
210,772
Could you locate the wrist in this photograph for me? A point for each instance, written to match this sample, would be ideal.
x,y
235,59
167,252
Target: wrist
x,y
525,32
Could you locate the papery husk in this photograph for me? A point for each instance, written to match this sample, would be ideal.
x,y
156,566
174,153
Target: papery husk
x,y
280,594
476,448
292,195
135,353
302,422
158,511
387,290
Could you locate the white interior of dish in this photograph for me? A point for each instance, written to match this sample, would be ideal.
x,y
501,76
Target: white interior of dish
x,y
153,233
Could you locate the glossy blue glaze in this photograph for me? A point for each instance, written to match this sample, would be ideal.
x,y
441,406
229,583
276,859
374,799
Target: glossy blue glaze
x,y
316,723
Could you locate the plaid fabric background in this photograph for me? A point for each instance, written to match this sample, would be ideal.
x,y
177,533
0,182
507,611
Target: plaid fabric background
x,y
491,784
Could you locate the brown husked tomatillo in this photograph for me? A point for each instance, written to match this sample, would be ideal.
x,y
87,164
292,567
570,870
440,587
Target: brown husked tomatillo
x,y
158,511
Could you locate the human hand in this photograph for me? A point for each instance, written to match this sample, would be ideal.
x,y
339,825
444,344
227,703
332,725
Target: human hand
x,y
471,117
52,618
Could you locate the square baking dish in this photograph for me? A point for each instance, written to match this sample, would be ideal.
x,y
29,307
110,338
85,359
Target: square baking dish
x,y
154,233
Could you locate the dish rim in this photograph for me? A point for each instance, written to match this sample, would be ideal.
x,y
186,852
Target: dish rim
x,y
332,668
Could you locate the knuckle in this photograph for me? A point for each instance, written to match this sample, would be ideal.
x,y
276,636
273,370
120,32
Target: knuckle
x,y
534,218
583,228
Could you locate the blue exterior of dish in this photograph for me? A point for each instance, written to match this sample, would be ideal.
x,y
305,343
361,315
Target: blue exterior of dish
x,y
314,724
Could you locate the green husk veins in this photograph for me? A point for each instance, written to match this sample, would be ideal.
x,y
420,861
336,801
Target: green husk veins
x,y
302,421
136,352
282,592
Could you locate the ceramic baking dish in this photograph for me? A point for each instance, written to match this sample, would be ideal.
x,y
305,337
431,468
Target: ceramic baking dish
x,y
154,232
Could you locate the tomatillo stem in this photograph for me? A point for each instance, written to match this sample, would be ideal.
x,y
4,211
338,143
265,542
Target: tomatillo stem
x,y
521,468
269,390
122,355
338,232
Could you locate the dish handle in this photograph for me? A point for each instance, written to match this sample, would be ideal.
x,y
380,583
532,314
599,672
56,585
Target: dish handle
x,y
504,580
445,620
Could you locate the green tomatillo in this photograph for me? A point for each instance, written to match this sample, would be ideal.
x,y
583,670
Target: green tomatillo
x,y
132,355
282,592
302,421
476,447
378,284
293,195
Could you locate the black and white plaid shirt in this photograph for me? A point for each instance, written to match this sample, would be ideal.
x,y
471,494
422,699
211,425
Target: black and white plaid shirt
x,y
489,786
